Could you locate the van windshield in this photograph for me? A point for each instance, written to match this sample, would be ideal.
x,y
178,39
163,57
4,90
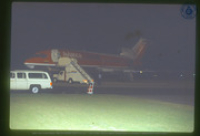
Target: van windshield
x,y
12,75
37,75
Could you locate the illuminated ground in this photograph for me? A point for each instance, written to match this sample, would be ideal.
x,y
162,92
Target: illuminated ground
x,y
107,112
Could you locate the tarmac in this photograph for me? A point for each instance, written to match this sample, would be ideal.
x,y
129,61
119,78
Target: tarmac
x,y
181,92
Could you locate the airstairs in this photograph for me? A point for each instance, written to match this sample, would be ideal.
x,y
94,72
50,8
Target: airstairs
x,y
82,71
66,61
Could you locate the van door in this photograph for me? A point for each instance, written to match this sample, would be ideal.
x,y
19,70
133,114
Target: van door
x,y
22,82
62,76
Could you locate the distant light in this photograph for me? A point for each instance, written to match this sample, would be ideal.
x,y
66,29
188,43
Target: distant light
x,y
141,71
194,74
85,81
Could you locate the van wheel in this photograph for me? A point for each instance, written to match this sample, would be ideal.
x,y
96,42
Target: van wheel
x,y
35,89
70,81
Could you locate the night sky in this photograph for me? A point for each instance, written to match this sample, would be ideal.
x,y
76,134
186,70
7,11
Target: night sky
x,y
104,28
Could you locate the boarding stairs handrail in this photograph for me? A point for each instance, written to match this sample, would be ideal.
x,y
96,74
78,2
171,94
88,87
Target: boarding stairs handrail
x,y
82,71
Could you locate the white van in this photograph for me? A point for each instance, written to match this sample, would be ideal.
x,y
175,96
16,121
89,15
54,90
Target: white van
x,y
30,80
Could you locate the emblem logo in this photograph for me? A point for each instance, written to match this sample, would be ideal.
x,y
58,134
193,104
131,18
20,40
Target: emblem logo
x,y
188,11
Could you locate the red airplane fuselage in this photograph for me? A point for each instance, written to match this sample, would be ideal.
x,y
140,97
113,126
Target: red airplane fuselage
x,y
127,58
85,59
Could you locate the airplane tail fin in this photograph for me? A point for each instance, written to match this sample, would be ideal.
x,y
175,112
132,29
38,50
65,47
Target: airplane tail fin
x,y
136,52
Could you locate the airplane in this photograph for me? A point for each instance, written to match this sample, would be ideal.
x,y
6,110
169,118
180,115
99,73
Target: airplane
x,y
126,60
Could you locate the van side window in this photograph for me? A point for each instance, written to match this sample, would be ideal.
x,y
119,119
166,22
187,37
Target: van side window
x,y
12,75
37,75
21,75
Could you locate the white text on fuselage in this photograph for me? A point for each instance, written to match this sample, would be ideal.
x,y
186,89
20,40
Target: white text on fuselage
x,y
72,55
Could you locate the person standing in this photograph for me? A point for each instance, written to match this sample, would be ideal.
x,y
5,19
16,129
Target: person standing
x,y
99,78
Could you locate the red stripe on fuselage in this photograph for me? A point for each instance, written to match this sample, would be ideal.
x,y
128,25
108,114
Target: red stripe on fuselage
x,y
84,58
97,59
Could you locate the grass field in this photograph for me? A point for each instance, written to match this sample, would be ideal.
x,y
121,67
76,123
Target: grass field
x,y
98,112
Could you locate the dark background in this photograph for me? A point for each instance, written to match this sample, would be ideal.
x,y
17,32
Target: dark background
x,y
105,28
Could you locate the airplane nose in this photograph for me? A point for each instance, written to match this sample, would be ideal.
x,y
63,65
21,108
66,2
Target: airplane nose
x,y
28,64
